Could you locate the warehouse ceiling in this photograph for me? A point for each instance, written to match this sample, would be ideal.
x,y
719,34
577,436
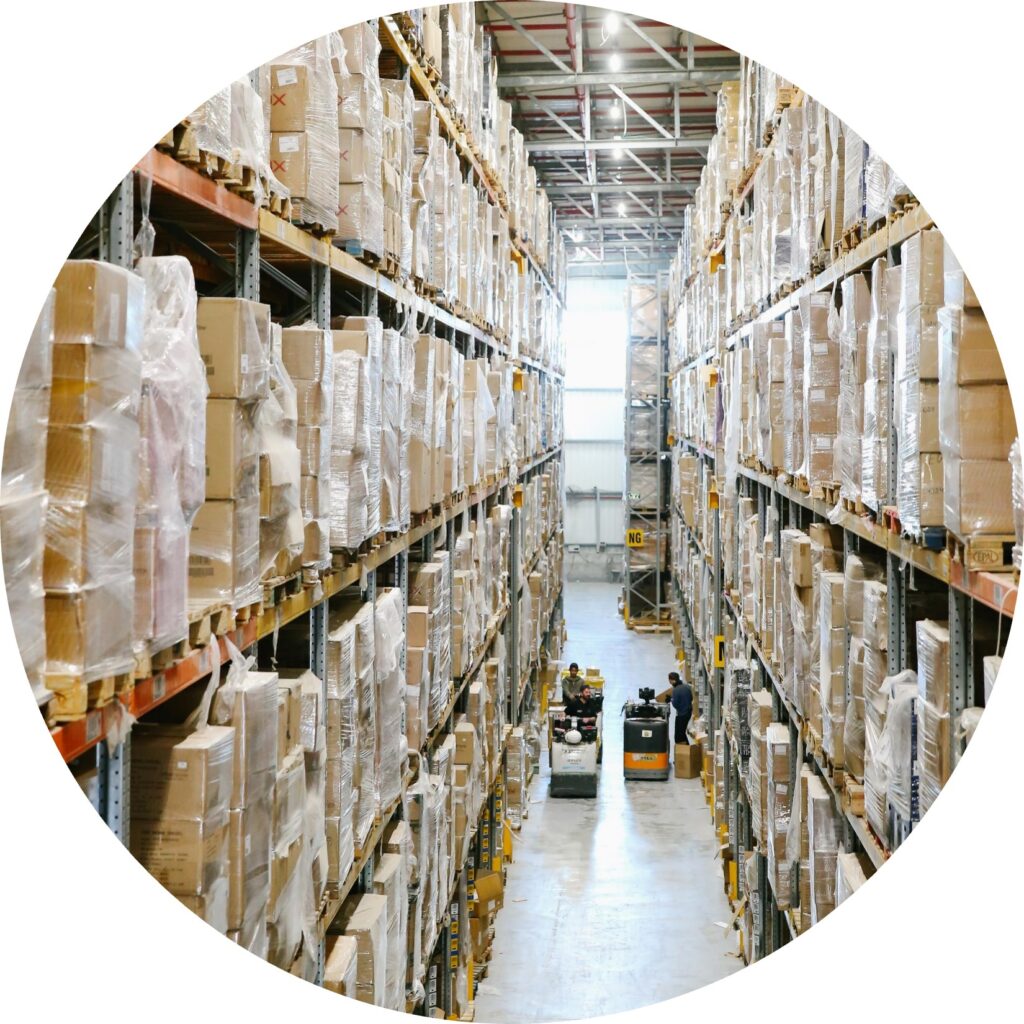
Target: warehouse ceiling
x,y
617,112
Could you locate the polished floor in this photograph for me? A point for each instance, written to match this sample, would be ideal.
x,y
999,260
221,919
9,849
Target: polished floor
x,y
615,903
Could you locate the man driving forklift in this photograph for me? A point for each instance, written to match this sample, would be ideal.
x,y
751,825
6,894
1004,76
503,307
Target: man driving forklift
x,y
583,705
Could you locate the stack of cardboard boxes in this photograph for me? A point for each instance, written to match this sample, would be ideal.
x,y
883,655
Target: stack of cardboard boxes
x,y
307,354
234,341
360,141
92,473
172,427
303,102
23,498
976,421
919,486
182,789
282,535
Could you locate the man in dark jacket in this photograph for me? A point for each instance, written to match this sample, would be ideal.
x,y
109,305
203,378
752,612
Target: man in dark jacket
x,y
583,705
682,702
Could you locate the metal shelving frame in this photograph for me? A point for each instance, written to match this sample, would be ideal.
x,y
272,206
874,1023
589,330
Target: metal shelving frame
x,y
969,593
639,606
249,245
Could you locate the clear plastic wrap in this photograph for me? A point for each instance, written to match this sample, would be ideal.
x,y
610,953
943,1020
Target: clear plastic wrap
x,y
280,479
1017,499
821,386
342,746
822,829
307,354
389,643
854,321
350,440
849,876
366,781
24,460
247,702
391,432
224,554
341,965
793,387
92,470
304,130
250,145
210,124
855,156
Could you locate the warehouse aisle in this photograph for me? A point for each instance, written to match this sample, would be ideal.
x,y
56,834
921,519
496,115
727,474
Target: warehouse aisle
x,y
605,892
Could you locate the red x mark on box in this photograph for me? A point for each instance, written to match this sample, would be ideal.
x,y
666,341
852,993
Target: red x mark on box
x,y
277,165
277,99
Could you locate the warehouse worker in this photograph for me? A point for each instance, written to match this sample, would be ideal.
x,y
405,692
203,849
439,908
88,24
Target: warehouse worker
x,y
582,706
572,683
682,702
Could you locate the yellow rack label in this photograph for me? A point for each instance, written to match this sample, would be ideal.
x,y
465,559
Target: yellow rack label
x,y
634,538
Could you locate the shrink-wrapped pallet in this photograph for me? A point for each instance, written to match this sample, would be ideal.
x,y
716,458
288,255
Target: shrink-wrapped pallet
x,y
304,152
23,498
92,471
390,693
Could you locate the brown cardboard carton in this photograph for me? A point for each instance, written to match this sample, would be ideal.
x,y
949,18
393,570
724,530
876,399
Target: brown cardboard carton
x,y
969,353
977,422
304,353
88,631
977,496
98,303
289,161
367,924
688,759
177,773
340,965
465,743
290,97
185,855
223,551
93,463
231,450
234,341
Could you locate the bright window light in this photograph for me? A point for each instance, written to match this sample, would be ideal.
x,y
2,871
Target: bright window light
x,y
611,23
615,62
617,153
622,209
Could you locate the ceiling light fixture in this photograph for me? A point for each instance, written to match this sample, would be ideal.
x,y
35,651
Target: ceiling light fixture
x,y
622,209
612,22
615,62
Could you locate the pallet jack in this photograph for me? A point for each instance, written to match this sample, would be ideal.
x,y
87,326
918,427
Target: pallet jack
x,y
645,740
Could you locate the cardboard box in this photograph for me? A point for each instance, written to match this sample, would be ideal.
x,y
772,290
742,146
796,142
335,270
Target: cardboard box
x,y
290,161
234,341
186,856
291,94
465,743
93,463
352,166
98,303
231,450
968,353
688,760
340,965
978,497
177,773
976,422
88,631
304,353
367,924
224,548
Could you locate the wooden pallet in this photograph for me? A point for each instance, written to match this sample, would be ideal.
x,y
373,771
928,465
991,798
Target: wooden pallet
x,y
210,622
827,491
72,697
277,588
891,519
854,506
853,236
148,663
853,796
982,554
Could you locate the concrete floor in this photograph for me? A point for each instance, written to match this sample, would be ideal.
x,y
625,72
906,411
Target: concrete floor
x,y
615,903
